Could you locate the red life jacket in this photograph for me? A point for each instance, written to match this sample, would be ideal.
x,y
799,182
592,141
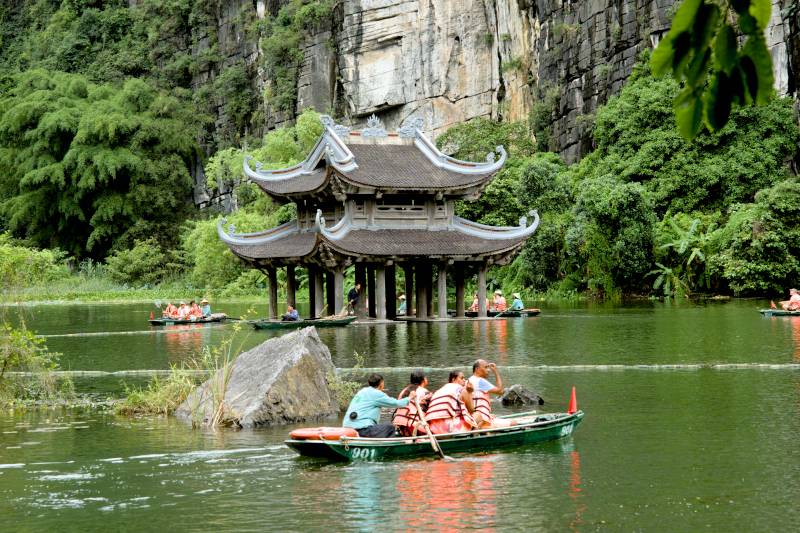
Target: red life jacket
x,y
480,400
406,418
446,403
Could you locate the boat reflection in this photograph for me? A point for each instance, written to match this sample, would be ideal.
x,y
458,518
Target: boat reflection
x,y
448,496
576,490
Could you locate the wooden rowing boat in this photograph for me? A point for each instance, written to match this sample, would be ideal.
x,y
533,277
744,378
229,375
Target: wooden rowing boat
x,y
778,312
533,428
495,314
216,317
531,312
329,322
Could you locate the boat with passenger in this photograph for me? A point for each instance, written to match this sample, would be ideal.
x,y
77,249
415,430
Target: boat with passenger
x,y
169,321
344,444
326,322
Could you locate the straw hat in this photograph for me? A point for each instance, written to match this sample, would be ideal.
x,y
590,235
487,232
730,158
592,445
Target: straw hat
x,y
516,295
402,296
498,291
203,301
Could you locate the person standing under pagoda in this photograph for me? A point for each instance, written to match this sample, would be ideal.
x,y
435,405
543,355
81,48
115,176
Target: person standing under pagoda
x,y
352,299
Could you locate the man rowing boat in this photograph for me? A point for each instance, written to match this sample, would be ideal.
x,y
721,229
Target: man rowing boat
x,y
364,412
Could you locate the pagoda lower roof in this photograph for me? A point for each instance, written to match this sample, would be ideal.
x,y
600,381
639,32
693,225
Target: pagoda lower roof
x,y
462,240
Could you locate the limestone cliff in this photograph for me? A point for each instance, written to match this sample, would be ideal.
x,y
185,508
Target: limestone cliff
x,y
452,60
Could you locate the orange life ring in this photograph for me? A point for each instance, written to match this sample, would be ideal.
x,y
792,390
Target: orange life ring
x,y
322,433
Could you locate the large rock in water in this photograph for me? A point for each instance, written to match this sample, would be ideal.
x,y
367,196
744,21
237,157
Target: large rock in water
x,y
281,380
519,395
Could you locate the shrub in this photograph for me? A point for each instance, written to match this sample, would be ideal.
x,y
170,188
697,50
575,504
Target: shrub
x,y
22,266
144,264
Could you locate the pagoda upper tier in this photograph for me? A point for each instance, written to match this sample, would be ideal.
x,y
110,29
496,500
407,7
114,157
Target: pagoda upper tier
x,y
375,162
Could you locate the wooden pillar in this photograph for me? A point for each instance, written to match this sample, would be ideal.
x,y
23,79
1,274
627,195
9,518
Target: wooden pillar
x,y
338,291
272,276
312,296
361,277
290,286
442,290
409,269
371,290
422,298
319,303
459,292
330,294
482,290
380,293
429,289
391,293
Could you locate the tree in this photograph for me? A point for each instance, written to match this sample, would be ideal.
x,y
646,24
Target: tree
x,y
703,41
86,167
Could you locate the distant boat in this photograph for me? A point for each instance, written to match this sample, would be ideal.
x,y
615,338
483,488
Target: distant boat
x,y
532,428
778,312
327,322
165,321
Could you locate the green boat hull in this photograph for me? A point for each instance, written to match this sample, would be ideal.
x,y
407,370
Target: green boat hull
x,y
289,324
495,314
778,312
545,428
179,321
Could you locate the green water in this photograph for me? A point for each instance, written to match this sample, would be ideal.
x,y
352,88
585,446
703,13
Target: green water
x,y
665,445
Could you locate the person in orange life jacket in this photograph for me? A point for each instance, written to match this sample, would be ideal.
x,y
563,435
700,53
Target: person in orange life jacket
x,y
406,419
483,388
170,310
194,310
364,412
450,407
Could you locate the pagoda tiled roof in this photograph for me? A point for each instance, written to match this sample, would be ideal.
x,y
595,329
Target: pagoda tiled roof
x,y
461,239
377,160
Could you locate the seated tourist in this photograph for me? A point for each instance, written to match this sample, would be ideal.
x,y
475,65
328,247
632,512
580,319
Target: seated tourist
x,y
793,303
450,407
194,311
170,310
364,412
516,303
482,413
406,419
475,304
206,309
183,311
499,303
290,315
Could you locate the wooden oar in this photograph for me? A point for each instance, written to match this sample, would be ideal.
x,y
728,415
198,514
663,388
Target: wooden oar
x,y
434,442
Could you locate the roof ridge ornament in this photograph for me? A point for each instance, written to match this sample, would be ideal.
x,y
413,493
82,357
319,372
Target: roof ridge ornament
x,y
339,129
410,127
374,128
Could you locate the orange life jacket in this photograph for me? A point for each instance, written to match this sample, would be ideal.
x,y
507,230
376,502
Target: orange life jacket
x,y
446,403
407,418
480,400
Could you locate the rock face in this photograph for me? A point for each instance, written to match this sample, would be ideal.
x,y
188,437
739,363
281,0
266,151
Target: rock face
x,y
519,395
449,61
282,380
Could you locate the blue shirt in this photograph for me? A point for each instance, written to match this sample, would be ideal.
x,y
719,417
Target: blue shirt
x,y
481,384
206,310
367,405
292,315
402,307
517,305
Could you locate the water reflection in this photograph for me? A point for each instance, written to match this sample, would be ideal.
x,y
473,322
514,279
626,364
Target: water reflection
x,y
576,490
448,496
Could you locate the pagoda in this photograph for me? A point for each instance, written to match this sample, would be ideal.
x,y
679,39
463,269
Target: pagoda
x,y
375,200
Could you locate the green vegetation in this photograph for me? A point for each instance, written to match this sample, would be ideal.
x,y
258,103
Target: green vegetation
x,y
648,212
702,50
26,369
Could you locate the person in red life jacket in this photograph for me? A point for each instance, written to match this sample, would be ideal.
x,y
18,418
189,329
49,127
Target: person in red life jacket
x,y
170,310
793,303
406,419
364,412
194,311
450,407
480,398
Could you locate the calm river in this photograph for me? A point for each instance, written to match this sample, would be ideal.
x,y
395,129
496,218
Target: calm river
x,y
692,423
